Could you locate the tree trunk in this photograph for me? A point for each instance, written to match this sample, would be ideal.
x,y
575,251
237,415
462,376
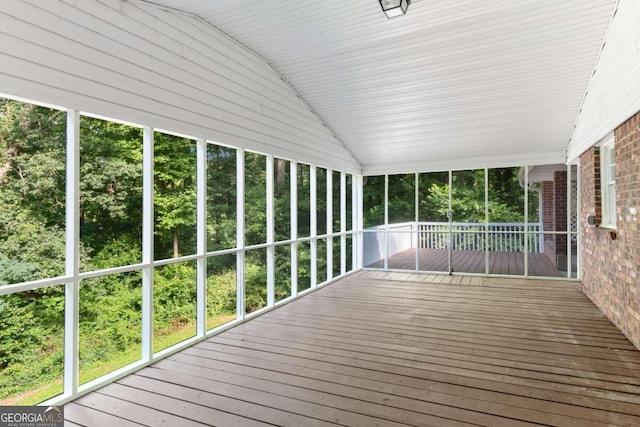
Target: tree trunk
x,y
12,153
281,171
176,249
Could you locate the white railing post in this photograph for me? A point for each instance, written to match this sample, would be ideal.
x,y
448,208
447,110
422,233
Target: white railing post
x,y
72,256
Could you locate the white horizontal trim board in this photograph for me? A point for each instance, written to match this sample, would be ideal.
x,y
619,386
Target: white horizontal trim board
x,y
476,162
613,94
137,63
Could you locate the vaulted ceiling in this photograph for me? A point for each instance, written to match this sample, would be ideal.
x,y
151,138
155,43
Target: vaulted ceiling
x,y
451,84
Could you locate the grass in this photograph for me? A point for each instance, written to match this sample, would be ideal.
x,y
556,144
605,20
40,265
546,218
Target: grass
x,y
118,360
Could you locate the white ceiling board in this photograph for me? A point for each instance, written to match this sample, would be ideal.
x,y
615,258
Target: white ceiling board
x,y
447,81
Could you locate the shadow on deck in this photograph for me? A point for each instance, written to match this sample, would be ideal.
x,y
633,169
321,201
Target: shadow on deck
x,y
437,260
394,349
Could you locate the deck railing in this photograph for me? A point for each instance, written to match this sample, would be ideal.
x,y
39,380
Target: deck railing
x,y
470,236
475,236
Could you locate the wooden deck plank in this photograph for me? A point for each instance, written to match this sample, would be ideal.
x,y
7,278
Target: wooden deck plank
x,y
304,405
623,380
397,349
181,389
184,413
488,390
463,261
119,401
382,394
487,394
89,417
351,399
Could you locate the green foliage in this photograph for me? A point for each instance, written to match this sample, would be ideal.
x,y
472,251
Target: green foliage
x,y
110,183
110,318
174,195
506,197
255,282
255,199
221,294
174,296
221,197
13,271
31,335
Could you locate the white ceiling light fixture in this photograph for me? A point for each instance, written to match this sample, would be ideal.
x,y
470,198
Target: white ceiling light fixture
x,y
393,8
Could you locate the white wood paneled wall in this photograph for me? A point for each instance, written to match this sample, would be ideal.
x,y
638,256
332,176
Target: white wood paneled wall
x,y
131,61
613,94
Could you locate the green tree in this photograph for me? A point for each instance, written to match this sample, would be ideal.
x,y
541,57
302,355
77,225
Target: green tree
x,y
175,194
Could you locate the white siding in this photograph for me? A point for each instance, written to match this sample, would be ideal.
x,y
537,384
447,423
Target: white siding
x,y
134,62
614,90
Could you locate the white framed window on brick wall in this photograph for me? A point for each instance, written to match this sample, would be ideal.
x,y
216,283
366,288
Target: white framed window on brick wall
x,y
608,182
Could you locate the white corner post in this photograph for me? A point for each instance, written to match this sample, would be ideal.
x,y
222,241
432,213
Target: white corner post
x,y
147,244
240,257
293,190
271,250
72,255
201,276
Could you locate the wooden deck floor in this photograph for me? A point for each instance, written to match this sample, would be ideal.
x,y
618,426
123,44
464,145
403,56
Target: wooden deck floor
x,y
394,349
511,263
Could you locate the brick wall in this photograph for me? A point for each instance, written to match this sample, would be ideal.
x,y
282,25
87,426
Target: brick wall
x,y
548,218
610,267
560,213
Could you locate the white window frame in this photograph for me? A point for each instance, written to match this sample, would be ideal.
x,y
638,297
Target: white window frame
x,y
608,182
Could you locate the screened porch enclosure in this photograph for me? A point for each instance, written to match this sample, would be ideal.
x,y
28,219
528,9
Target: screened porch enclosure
x,y
518,221
176,175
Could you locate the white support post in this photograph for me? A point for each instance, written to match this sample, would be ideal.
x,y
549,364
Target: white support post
x,y
416,237
293,183
201,277
526,221
147,244
486,221
386,222
343,223
72,255
329,224
240,233
271,250
358,222
450,215
313,221
354,222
